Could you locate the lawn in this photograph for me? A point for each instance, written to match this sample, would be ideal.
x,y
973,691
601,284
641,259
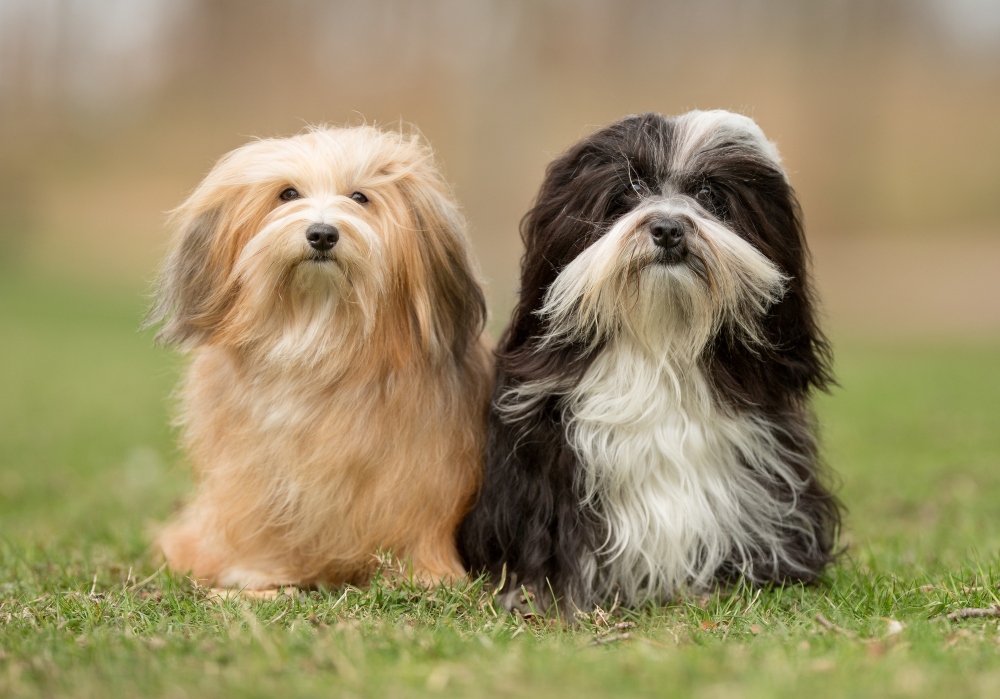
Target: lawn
x,y
88,469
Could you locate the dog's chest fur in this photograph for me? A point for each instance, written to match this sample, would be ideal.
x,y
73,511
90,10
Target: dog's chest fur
x,y
679,480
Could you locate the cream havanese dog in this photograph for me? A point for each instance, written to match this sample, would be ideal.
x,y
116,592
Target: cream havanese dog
x,y
325,290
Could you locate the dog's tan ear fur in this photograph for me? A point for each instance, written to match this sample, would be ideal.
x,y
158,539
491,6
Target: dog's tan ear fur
x,y
194,290
449,305
186,290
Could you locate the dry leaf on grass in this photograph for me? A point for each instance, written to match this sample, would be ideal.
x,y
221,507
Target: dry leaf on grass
x,y
829,625
614,638
974,613
894,626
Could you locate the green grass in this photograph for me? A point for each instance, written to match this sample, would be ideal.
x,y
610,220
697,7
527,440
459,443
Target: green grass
x,y
88,467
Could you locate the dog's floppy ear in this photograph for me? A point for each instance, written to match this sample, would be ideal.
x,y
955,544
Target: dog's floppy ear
x,y
449,306
573,207
797,356
190,294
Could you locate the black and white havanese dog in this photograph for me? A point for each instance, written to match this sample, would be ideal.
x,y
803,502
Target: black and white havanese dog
x,y
650,429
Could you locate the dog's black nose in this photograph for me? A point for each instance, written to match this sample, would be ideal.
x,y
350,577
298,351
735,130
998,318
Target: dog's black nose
x,y
322,236
667,232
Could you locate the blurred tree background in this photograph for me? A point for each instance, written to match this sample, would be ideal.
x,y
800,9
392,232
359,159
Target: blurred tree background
x,y
887,113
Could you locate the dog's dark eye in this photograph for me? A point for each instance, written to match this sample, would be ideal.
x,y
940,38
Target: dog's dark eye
x,y
639,188
359,197
713,200
289,194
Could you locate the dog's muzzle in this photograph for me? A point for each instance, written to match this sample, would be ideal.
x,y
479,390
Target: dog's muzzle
x,y
670,236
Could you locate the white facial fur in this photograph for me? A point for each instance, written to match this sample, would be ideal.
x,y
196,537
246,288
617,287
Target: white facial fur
x,y
597,294
354,274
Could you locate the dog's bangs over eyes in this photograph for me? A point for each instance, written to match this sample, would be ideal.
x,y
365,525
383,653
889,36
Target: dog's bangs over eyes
x,y
291,194
711,197
631,191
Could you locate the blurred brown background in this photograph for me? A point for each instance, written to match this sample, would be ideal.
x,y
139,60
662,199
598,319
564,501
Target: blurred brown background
x,y
887,113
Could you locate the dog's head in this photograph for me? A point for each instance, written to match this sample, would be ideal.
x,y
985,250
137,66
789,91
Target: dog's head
x,y
683,233
320,242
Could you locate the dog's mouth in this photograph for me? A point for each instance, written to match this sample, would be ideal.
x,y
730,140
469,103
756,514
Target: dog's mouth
x,y
320,258
320,262
684,257
672,256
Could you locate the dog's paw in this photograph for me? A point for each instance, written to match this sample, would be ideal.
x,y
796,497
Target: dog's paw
x,y
528,600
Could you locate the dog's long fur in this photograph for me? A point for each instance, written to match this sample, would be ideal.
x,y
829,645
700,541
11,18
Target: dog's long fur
x,y
650,429
335,402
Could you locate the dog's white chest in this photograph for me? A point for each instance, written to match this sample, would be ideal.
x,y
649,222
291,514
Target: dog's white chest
x,y
665,466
